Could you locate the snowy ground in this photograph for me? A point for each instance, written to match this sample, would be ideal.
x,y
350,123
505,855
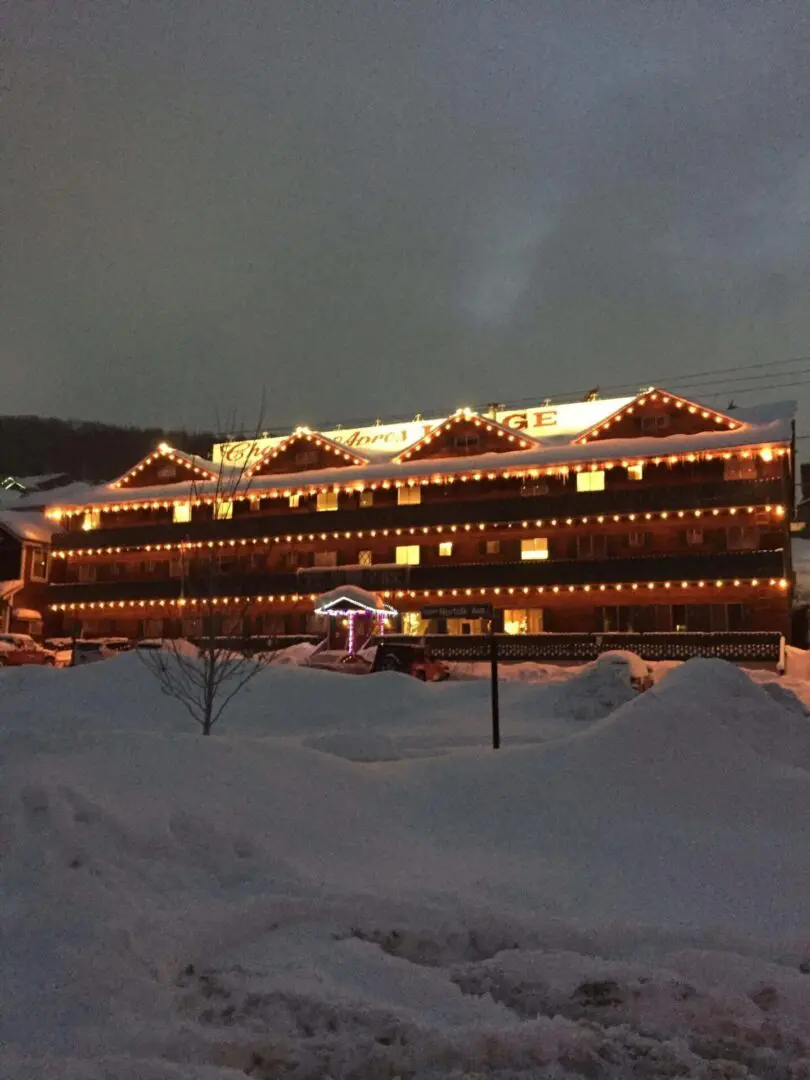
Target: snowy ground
x,y
345,881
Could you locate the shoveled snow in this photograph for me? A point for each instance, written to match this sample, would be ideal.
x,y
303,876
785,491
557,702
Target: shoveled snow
x,y
346,881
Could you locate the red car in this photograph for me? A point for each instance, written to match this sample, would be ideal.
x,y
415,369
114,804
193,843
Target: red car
x,y
18,649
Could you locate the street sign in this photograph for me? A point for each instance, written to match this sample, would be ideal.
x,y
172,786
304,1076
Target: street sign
x,y
457,611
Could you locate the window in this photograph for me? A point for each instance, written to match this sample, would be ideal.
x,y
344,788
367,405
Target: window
x,y
694,537
637,539
39,564
306,457
446,547
364,558
492,547
591,481
635,472
87,572
91,520
534,548
409,496
651,424
175,568
591,547
326,558
740,469
742,538
467,441
534,487
366,498
181,511
223,510
407,555
294,500
413,624
327,500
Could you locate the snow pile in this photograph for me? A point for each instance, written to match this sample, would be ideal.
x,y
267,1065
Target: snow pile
x,y
345,881
593,692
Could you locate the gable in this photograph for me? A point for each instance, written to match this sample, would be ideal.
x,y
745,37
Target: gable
x,y
304,451
165,465
466,434
657,414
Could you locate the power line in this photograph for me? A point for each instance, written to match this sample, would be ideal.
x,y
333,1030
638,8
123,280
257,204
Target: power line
x,y
683,381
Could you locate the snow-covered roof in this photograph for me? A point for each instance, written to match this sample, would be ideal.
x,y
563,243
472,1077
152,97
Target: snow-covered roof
x,y
770,426
8,588
69,493
349,597
27,526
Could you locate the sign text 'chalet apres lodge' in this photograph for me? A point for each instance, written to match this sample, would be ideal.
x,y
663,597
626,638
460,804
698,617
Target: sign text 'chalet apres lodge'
x,y
384,440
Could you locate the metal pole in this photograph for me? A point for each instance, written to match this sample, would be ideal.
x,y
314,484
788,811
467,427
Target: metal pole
x,y
493,655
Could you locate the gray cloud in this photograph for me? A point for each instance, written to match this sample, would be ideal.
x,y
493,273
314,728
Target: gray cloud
x,y
378,208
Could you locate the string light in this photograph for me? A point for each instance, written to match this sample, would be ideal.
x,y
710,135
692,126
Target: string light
x,y
641,400
360,534
781,584
56,513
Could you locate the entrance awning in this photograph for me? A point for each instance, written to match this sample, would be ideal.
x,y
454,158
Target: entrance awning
x,y
27,614
352,600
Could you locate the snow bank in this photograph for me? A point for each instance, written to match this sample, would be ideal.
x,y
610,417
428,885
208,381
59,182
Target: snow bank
x,y
346,880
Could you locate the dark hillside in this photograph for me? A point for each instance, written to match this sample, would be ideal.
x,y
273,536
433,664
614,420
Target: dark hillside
x,y
32,445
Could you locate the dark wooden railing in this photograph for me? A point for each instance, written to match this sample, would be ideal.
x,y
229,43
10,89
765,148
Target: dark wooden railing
x,y
658,568
453,511
739,647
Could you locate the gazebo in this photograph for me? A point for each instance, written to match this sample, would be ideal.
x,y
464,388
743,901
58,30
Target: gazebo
x,y
351,603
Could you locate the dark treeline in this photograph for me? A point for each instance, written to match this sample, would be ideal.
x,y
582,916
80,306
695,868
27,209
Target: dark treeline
x,y
32,445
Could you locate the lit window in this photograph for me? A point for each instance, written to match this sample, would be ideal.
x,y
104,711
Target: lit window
x,y
515,621
408,496
446,547
181,511
366,498
408,555
294,500
534,548
327,500
493,547
364,558
223,510
39,564
635,472
91,520
591,481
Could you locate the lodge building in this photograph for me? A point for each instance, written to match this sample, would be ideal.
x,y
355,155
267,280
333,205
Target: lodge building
x,y
645,513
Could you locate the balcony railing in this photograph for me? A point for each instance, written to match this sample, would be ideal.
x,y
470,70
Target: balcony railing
x,y
658,568
453,511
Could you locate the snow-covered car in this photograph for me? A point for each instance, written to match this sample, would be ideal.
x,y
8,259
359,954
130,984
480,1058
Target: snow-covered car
x,y
639,672
19,649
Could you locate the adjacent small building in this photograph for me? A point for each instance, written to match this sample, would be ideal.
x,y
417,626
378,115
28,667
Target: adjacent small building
x,y
25,543
644,513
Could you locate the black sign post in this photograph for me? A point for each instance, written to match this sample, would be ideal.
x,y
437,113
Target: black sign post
x,y
493,660
476,611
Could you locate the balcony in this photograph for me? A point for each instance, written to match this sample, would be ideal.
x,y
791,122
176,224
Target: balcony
x,y
452,511
692,567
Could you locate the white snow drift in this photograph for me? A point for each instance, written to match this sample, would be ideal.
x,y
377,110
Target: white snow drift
x,y
344,880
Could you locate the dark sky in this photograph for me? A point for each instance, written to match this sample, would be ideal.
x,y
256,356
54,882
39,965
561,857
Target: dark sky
x,y
376,208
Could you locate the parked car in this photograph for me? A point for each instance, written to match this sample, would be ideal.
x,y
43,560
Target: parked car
x,y
410,660
638,671
19,649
